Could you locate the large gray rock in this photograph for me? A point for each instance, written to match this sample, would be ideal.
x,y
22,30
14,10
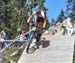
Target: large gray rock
x,y
60,50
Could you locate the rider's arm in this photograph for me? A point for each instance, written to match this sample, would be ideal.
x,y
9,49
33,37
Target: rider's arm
x,y
44,24
43,14
29,19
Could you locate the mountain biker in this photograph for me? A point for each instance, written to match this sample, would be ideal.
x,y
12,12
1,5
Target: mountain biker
x,y
39,16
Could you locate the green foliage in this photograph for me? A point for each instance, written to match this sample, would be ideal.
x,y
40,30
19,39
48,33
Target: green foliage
x,y
61,17
14,14
69,1
52,22
47,25
70,8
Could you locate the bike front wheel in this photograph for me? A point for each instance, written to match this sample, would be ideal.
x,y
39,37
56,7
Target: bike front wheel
x,y
30,46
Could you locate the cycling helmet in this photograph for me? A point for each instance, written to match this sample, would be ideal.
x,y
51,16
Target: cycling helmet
x,y
38,11
19,29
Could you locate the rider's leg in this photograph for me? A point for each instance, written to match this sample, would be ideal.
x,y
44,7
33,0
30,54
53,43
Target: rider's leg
x,y
38,39
39,32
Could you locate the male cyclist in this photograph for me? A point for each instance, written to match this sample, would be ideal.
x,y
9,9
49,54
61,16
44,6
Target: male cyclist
x,y
40,17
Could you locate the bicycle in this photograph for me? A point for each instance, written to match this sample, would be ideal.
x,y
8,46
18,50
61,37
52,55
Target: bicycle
x,y
33,39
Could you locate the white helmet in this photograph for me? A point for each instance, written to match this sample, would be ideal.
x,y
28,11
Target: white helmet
x,y
19,29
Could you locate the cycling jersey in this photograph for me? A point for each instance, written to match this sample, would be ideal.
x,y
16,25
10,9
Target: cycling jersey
x,y
39,16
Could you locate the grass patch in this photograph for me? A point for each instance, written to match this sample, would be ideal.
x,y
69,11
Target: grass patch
x,y
9,51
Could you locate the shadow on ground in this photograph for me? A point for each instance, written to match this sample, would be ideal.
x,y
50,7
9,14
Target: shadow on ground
x,y
45,43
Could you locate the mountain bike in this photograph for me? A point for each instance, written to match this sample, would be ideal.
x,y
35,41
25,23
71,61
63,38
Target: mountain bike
x,y
34,36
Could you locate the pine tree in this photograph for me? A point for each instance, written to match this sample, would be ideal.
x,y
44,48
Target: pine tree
x,y
70,8
61,16
52,22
